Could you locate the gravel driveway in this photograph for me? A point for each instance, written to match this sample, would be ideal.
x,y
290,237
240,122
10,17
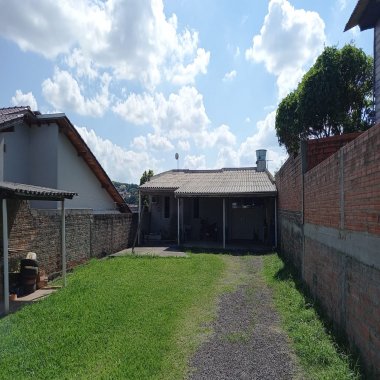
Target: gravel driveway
x,y
247,340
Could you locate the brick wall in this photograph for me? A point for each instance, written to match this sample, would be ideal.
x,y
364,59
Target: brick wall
x,y
333,221
289,187
320,149
87,235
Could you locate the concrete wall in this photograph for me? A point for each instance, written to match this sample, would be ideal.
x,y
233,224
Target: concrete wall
x,y
87,235
75,175
330,230
16,157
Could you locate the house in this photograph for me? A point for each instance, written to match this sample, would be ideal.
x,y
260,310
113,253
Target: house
x,y
47,150
366,15
212,207
45,164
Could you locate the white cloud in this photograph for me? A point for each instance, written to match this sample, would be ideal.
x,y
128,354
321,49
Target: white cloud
x,y
195,162
63,92
184,145
180,114
220,136
181,74
289,40
160,143
135,39
227,157
27,99
229,76
120,164
247,119
342,4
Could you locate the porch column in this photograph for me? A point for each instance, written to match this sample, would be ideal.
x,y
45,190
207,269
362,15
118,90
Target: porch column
x,y
139,220
224,223
63,241
275,222
178,237
5,257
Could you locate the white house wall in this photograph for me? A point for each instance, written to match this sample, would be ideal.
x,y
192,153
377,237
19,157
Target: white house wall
x,y
75,175
43,162
16,156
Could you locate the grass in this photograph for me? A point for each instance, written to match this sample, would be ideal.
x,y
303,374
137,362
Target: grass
x,y
319,354
131,317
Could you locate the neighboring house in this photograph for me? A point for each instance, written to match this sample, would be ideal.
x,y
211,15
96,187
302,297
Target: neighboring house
x,y
227,206
366,15
46,152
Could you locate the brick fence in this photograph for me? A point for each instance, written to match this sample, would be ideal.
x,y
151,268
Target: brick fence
x,y
88,235
329,227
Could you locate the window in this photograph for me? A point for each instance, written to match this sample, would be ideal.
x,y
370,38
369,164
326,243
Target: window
x,y
196,208
167,207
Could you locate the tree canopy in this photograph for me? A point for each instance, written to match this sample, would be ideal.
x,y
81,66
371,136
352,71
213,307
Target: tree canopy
x,y
146,176
334,97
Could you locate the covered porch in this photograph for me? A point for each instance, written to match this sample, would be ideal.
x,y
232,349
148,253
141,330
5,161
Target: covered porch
x,y
210,222
11,193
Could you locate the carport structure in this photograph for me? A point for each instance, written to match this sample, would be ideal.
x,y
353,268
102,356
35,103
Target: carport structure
x,y
19,192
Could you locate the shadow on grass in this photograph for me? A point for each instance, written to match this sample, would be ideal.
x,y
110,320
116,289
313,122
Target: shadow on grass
x,y
290,273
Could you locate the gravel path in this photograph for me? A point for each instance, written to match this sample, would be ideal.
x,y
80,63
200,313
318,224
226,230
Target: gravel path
x,y
247,342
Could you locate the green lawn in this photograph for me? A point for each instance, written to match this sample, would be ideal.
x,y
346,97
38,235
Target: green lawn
x,y
318,353
134,318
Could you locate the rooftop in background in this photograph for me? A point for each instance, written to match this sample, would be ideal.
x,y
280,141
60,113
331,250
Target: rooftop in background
x,y
221,182
365,15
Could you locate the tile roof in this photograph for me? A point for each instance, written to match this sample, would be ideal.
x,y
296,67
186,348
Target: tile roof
x,y
228,181
21,190
12,114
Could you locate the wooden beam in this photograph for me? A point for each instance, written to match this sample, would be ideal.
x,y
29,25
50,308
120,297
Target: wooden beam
x,y
5,257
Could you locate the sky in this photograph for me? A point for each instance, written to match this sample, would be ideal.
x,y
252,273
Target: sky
x,y
142,80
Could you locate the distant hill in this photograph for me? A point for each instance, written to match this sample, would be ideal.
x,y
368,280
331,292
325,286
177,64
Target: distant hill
x,y
129,191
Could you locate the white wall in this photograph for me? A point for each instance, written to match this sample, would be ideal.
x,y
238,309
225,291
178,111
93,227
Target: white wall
x,y
43,160
75,175
16,157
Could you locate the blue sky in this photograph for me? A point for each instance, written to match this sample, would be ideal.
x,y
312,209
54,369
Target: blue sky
x,y
144,79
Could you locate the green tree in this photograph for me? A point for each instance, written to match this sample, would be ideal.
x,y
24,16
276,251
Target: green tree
x,y
334,97
146,176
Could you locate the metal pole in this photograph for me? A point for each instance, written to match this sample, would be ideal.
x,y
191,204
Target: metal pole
x,y
224,223
178,238
275,222
139,220
63,241
5,257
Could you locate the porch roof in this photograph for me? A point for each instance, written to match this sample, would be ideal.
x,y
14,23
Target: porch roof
x,y
24,191
223,182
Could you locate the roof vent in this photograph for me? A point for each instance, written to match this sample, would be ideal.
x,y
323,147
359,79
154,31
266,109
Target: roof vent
x,y
261,155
